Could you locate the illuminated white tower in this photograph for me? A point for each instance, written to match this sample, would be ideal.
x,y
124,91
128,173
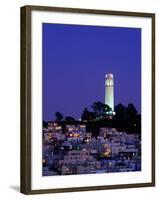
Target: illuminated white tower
x,y
109,91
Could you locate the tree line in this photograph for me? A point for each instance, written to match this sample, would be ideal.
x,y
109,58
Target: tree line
x,y
99,111
123,118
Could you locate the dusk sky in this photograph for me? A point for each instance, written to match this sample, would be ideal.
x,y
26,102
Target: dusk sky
x,y
75,61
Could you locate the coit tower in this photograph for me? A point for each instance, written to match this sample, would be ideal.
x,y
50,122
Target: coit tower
x,y
109,91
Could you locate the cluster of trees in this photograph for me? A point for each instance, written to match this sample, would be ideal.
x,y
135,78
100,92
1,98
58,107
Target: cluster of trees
x,y
125,118
100,111
59,117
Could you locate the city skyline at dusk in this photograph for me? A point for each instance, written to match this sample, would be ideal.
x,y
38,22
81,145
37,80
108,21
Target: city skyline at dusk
x,y
75,61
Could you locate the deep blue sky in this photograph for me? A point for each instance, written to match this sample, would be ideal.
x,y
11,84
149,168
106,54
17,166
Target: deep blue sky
x,y
75,61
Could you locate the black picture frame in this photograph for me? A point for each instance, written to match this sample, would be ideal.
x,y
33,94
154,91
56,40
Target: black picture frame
x,y
26,105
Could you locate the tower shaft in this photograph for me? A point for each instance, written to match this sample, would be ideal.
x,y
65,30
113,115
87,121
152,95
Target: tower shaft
x,y
109,91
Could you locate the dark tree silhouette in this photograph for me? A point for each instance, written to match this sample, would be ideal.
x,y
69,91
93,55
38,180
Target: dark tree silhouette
x,y
127,118
131,111
59,116
121,116
133,118
120,111
87,115
107,108
101,110
69,119
98,108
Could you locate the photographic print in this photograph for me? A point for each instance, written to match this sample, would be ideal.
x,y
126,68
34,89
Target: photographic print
x,y
87,99
91,99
